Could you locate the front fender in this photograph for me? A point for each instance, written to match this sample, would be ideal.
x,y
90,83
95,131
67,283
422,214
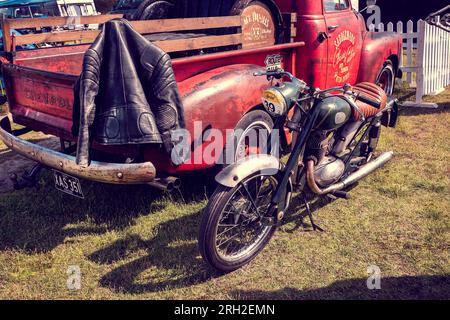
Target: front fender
x,y
377,48
232,175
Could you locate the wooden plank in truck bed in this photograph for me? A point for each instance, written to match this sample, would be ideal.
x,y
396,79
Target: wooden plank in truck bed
x,y
60,21
8,24
143,27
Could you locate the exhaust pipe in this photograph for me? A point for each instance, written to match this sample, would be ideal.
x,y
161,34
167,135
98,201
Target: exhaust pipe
x,y
363,172
167,184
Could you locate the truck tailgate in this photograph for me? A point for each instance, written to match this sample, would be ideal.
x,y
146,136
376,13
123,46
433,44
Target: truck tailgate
x,y
40,100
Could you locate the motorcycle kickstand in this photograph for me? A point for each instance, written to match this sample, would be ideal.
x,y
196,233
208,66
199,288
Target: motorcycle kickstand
x,y
311,218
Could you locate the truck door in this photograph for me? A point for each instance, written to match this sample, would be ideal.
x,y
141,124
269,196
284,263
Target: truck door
x,y
344,42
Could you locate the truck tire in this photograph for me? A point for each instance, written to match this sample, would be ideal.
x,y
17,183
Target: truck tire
x,y
153,9
386,78
272,32
242,145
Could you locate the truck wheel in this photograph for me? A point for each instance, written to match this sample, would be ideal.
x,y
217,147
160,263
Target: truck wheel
x,y
153,9
386,78
249,133
267,30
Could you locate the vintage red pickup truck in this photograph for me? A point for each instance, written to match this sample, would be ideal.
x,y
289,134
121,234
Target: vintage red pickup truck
x,y
324,42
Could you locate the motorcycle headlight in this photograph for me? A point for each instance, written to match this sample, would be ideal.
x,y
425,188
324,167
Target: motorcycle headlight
x,y
274,102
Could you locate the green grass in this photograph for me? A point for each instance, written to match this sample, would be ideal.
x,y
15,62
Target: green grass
x,y
134,243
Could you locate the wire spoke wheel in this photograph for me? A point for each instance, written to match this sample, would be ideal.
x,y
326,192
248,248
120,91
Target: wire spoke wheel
x,y
241,227
235,225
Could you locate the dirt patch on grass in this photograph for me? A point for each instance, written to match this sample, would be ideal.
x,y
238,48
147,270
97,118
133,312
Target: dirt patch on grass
x,y
11,162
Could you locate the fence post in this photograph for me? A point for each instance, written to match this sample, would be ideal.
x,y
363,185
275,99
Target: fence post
x,y
390,27
400,31
409,47
420,60
432,61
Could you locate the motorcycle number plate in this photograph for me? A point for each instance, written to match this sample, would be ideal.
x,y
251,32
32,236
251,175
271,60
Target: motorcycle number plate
x,y
273,103
68,184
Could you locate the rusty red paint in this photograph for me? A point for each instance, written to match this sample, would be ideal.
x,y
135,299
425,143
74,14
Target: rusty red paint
x,y
217,89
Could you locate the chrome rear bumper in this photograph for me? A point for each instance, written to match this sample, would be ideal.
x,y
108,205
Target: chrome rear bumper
x,y
114,173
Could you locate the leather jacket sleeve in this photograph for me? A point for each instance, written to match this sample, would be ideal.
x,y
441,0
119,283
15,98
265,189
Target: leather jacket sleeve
x,y
165,100
88,89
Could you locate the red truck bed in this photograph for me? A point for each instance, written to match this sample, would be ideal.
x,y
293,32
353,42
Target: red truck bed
x,y
41,85
217,89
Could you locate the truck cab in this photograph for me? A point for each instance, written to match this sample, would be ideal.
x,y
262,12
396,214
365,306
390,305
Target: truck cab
x,y
339,49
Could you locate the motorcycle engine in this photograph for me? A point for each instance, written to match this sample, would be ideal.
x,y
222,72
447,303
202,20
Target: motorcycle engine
x,y
329,169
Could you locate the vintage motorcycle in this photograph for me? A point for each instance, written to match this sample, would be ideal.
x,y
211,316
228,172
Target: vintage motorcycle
x,y
336,132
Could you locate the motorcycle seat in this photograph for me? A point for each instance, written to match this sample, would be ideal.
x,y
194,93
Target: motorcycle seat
x,y
373,92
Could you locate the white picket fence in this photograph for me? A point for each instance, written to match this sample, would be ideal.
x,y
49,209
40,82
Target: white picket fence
x,y
426,62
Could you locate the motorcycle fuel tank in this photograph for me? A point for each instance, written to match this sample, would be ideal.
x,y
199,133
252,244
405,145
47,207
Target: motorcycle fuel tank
x,y
334,112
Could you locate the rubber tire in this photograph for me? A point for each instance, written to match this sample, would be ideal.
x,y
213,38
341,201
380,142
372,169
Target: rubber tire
x,y
388,66
206,243
277,17
248,120
141,14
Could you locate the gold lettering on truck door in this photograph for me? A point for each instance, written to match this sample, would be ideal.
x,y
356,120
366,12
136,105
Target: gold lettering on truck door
x,y
344,55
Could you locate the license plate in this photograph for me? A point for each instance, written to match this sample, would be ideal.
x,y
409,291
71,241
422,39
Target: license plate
x,y
68,184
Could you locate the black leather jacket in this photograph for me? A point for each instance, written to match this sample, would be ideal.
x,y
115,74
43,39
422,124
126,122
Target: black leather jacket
x,y
126,93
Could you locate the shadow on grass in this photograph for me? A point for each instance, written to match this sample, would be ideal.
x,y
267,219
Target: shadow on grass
x,y
171,255
38,220
297,212
413,111
179,264
401,288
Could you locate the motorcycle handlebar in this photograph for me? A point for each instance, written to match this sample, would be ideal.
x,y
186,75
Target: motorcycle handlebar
x,y
274,74
279,74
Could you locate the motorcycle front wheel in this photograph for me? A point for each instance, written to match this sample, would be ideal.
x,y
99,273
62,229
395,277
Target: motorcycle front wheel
x,y
235,224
